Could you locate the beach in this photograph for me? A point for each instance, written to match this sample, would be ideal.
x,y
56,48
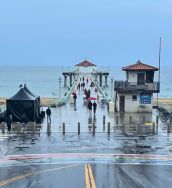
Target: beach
x,y
164,102
46,101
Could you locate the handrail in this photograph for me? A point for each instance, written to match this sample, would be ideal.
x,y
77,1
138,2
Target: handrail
x,y
105,96
64,100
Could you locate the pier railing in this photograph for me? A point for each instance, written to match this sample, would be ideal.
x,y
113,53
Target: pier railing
x,y
124,86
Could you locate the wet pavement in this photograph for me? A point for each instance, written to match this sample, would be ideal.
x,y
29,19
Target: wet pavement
x,y
105,175
135,154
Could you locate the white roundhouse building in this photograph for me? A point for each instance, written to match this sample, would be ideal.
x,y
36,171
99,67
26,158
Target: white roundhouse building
x,y
85,67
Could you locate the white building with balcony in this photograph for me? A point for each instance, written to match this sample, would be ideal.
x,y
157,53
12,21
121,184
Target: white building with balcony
x,y
135,94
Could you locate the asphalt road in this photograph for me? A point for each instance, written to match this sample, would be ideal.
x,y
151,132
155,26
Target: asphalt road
x,y
89,176
86,162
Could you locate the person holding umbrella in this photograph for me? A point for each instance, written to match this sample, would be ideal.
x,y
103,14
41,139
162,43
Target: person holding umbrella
x,y
75,97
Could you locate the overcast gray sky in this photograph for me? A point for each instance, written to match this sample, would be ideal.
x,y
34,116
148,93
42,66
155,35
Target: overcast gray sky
x,y
64,32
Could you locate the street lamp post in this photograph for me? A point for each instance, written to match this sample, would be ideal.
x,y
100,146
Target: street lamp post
x,y
58,97
60,80
112,84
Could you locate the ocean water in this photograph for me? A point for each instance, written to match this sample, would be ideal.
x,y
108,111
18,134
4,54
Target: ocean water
x,y
44,81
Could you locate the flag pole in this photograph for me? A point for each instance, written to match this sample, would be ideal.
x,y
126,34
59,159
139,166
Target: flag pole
x,y
159,75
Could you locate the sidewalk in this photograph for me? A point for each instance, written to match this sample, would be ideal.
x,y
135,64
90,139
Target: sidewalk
x,y
4,136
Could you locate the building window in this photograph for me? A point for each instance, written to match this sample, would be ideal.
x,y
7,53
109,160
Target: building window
x,y
134,98
149,76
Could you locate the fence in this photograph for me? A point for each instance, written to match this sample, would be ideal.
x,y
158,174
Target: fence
x,y
118,126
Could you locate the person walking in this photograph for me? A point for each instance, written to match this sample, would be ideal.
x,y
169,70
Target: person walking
x,y
94,107
48,112
89,93
75,97
79,86
9,121
90,106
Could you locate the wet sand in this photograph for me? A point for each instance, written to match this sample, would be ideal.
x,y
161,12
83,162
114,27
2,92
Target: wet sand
x,y
2,100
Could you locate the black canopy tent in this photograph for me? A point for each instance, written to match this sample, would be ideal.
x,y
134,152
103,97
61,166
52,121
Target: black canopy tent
x,y
23,106
28,91
38,101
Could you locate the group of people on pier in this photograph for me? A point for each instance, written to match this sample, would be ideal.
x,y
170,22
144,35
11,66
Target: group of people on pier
x,y
92,105
87,93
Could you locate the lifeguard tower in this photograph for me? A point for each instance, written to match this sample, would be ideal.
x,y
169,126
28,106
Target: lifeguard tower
x,y
135,94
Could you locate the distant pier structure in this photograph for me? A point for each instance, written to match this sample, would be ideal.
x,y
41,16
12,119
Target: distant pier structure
x,y
86,67
135,94
99,77
71,76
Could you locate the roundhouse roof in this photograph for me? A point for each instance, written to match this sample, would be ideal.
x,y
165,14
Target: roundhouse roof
x,y
85,63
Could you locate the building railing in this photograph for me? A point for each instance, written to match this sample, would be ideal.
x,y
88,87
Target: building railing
x,y
134,86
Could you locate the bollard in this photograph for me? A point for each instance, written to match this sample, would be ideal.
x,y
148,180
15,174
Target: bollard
x,y
24,127
78,128
48,128
170,119
168,128
63,128
18,128
3,128
143,119
153,128
104,128
157,120
94,128
108,128
130,119
104,120
117,120
34,127
156,129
